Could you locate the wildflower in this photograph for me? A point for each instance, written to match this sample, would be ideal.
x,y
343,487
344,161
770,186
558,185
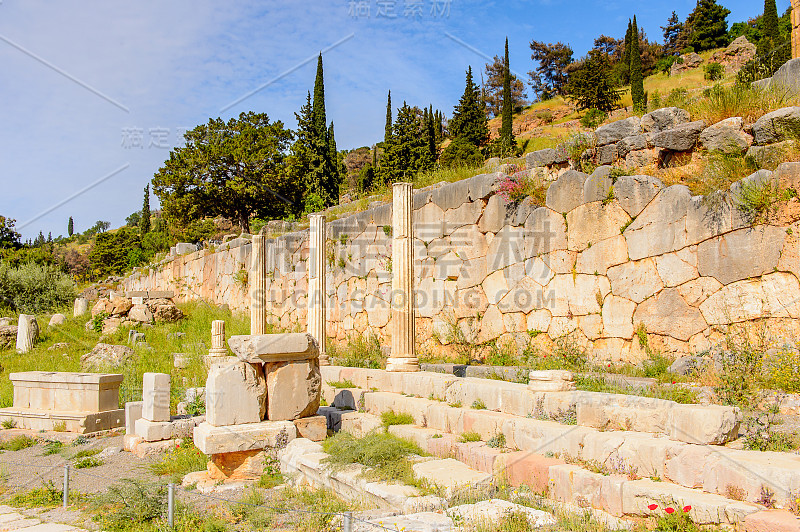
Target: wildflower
x,y
669,510
686,508
652,507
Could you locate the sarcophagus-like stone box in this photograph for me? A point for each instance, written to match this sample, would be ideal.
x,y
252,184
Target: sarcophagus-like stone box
x,y
76,402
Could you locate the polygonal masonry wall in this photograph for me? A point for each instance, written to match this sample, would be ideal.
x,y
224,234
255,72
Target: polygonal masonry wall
x,y
653,255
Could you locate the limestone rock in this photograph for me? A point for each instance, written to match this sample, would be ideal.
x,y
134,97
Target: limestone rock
x,y
545,157
314,428
635,280
629,144
777,126
592,222
706,425
788,175
686,365
618,317
741,254
660,227
214,440
293,389
685,62
274,347
80,307
668,314
57,319
738,52
616,131
493,511
494,215
680,138
551,381
677,268
235,394
771,154
164,310
8,336
598,185
776,295
635,192
603,255
726,136
696,291
106,355
140,313
664,119
545,232
788,76
566,192
121,306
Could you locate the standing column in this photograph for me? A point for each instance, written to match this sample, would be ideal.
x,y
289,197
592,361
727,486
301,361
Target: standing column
x,y
27,332
218,350
258,287
316,284
403,356
795,19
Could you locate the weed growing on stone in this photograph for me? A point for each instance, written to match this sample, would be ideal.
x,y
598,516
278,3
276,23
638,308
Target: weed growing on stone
x,y
497,441
759,200
386,455
679,394
390,418
751,103
478,404
342,384
9,424
760,433
454,404
272,474
86,453
61,426
470,437
359,352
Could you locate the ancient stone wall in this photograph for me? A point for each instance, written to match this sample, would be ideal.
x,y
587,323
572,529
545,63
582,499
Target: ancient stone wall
x,y
601,257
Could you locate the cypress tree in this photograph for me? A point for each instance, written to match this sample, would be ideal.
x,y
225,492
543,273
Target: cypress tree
x,y
430,131
332,183
320,121
626,54
770,33
387,135
637,81
70,227
469,120
144,219
506,131
324,175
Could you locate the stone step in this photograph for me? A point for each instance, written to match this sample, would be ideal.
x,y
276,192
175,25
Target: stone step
x,y
712,469
12,520
701,424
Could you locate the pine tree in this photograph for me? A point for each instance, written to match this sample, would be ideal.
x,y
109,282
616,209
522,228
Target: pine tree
x,y
637,81
406,154
70,227
590,84
144,219
706,27
387,135
469,120
672,32
506,130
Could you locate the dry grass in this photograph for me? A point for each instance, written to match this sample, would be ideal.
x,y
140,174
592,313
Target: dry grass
x,y
751,103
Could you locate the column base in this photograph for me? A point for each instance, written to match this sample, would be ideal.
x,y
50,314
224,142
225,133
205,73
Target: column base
x,y
324,359
402,364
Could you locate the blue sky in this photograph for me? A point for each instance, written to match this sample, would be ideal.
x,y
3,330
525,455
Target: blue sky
x,y
94,93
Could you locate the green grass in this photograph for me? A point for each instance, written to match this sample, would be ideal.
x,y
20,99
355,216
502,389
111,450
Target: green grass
x,y
53,447
341,384
386,455
87,462
183,459
390,418
86,453
197,327
678,394
17,443
470,437
478,404
358,352
46,496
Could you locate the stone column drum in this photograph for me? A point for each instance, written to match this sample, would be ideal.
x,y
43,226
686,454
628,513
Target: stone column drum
x,y
27,333
80,307
316,285
258,287
403,357
218,350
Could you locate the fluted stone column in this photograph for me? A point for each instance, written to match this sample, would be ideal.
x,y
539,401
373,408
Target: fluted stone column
x,y
27,333
218,350
403,356
795,18
316,284
257,279
80,307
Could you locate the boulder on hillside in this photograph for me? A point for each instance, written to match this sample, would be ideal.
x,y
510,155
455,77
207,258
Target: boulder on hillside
x,y
106,356
788,76
57,319
726,136
777,126
685,62
616,131
680,138
739,52
663,119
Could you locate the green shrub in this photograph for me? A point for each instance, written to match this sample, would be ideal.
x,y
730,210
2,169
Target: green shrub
x,y
758,199
34,288
497,441
390,418
182,459
342,384
751,103
8,424
87,462
593,118
470,437
47,496
714,71
478,404
17,443
386,454
86,453
460,152
359,352
130,502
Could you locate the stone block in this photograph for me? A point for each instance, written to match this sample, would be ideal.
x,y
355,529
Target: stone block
x,y
566,192
592,222
359,424
80,307
777,126
704,425
741,254
419,435
668,314
133,411
545,157
616,131
56,320
235,394
293,389
449,473
663,119
776,295
526,468
635,281
155,396
629,144
274,347
772,521
242,465
680,138
598,185
726,136
606,154
153,430
551,381
542,437
27,333
314,428
602,255
247,437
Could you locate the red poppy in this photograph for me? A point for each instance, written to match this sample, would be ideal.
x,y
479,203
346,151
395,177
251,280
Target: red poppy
x,y
653,506
673,382
609,365
669,510
686,508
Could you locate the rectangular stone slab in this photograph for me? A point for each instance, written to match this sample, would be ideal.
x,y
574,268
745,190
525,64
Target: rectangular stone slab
x,y
274,347
65,391
80,422
246,437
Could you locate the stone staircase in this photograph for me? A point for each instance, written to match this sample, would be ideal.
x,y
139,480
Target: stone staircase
x,y
623,455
